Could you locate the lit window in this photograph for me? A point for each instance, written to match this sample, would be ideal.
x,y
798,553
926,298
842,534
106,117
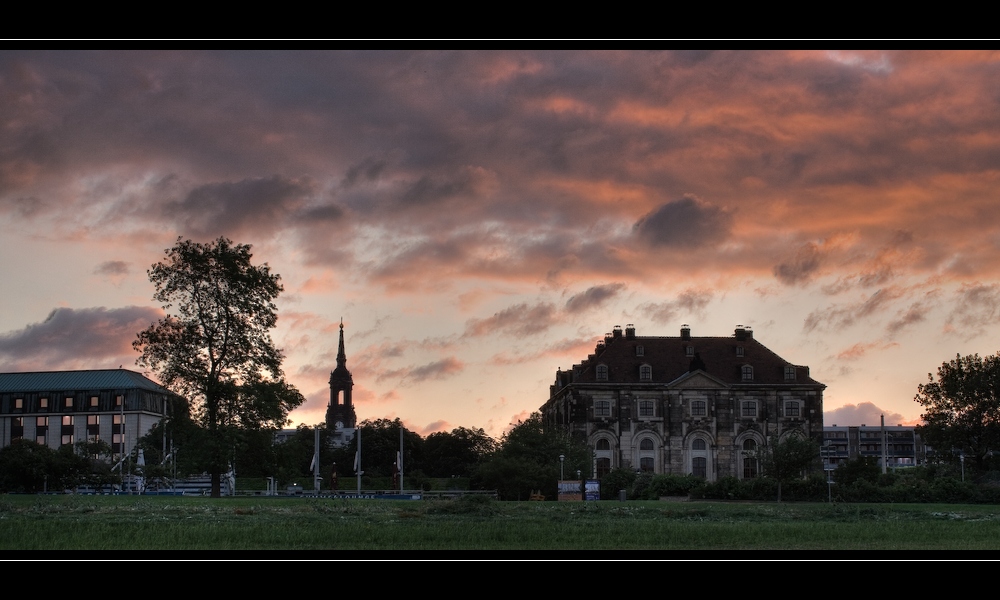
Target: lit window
x,y
117,419
739,350
40,439
640,351
69,402
645,408
747,373
67,438
41,421
645,372
602,409
698,408
791,408
749,408
67,421
602,372
93,401
118,400
789,373
689,350
18,403
43,403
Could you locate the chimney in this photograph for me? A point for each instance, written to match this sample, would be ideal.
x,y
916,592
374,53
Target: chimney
x,y
607,338
617,331
630,331
741,333
685,332
600,347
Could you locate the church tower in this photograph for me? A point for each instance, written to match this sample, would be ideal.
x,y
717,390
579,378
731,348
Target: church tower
x,y
340,412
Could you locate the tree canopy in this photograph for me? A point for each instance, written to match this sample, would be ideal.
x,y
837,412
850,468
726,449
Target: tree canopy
x,y
962,407
214,345
788,458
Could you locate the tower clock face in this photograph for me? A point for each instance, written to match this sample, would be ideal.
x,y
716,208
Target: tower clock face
x,y
339,424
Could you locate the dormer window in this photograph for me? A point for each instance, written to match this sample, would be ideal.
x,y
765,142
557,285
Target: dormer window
x,y
789,373
739,350
602,372
689,351
640,351
747,373
645,373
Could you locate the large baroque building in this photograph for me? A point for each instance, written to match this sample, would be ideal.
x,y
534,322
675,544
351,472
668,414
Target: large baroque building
x,y
55,408
685,404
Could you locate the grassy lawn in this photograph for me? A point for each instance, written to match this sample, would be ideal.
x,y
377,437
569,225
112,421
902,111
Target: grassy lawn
x,y
177,523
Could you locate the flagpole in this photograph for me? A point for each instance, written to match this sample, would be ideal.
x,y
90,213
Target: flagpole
x,y
357,461
400,458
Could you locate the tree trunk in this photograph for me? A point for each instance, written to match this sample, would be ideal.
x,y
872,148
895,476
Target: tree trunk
x,y
216,485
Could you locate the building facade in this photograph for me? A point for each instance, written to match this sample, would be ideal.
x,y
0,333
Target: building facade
x,y
684,405
55,408
903,445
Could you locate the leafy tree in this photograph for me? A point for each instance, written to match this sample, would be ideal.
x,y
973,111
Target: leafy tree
x,y
456,453
528,459
217,350
379,445
962,408
862,468
788,459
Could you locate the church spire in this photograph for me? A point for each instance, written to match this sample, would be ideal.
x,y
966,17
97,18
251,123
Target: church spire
x,y
341,355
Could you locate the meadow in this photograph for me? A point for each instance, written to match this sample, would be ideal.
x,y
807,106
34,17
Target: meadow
x,y
190,523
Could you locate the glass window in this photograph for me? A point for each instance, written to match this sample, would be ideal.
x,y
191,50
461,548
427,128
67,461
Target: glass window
x,y
698,444
603,444
697,408
603,466
93,401
602,372
747,373
749,408
689,350
18,403
739,350
645,372
602,408
43,403
67,421
646,444
69,402
699,467
789,373
41,421
640,351
118,400
791,409
645,408
749,459
646,464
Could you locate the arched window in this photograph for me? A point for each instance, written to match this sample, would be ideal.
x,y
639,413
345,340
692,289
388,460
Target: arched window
x,y
603,444
647,455
646,444
645,373
699,457
698,444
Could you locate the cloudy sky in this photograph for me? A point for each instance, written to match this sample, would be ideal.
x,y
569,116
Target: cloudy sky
x,y
479,219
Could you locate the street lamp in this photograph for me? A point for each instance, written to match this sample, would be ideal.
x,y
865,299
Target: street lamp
x,y
562,460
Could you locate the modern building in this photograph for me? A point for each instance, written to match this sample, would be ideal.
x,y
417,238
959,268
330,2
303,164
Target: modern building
x,y
903,446
684,405
55,408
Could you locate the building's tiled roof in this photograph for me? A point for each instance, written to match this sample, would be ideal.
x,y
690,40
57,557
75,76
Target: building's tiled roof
x,y
105,379
669,360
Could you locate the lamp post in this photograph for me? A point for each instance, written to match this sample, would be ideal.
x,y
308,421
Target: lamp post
x,y
562,461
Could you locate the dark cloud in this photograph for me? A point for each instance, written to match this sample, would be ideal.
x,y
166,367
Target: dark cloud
x,y
687,303
441,369
234,207
977,306
863,413
686,223
801,267
593,297
77,338
518,320
367,171
916,313
112,267
845,315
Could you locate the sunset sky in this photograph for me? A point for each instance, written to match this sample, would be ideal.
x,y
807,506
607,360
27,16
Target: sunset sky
x,y
480,219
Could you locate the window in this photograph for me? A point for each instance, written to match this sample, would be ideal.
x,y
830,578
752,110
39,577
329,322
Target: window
x,y
41,430
603,467
16,428
603,444
118,400
18,403
646,444
93,427
698,444
602,408
698,408
747,373
640,351
645,408
791,408
739,350
41,422
689,351
43,403
645,372
67,421
602,372
699,466
749,459
646,464
749,408
789,373
93,401
69,402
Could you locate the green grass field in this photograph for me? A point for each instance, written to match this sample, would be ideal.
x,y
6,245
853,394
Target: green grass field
x,y
177,523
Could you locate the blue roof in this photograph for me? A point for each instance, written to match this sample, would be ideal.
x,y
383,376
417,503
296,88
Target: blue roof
x,y
50,381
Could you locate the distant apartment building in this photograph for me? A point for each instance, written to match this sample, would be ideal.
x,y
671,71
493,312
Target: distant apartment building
x,y
55,408
903,446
